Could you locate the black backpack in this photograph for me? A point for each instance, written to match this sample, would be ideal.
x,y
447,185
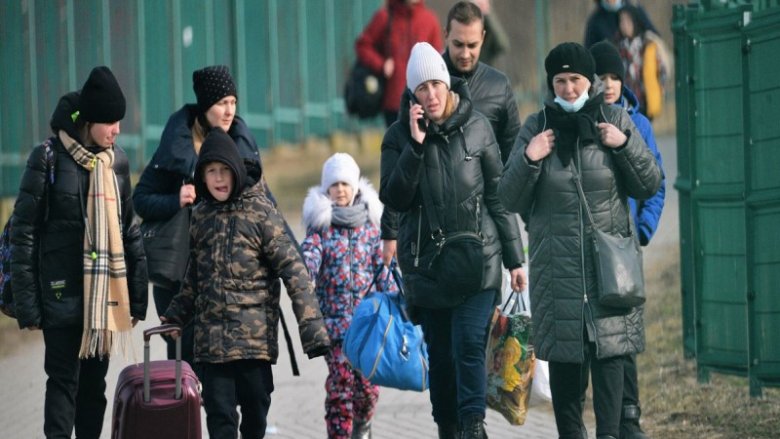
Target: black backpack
x,y
6,294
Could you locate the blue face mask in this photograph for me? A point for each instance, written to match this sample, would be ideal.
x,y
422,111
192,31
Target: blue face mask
x,y
612,7
572,107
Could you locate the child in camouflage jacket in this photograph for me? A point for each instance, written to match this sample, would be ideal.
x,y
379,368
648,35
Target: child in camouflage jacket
x,y
238,250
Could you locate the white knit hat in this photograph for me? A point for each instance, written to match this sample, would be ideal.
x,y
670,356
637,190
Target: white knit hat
x,y
340,167
425,64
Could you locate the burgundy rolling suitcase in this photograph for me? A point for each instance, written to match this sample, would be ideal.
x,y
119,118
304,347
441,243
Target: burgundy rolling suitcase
x,y
157,399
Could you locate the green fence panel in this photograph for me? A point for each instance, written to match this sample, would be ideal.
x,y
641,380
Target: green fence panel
x,y
683,46
718,193
762,154
288,57
728,148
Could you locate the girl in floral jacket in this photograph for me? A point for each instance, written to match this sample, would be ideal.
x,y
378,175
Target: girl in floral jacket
x,y
342,251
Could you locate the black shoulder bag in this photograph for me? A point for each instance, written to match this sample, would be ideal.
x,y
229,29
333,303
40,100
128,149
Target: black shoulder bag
x,y
458,263
618,261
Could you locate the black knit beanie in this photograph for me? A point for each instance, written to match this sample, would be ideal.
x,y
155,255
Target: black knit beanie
x,y
608,60
212,84
569,57
219,147
101,98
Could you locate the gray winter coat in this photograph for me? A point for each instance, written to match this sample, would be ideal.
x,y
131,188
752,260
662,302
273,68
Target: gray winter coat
x,y
562,275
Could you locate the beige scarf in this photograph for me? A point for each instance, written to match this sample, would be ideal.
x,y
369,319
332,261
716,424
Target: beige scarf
x,y
106,297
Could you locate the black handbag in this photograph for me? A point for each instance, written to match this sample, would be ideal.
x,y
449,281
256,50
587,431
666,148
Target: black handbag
x,y
457,267
364,90
167,247
618,261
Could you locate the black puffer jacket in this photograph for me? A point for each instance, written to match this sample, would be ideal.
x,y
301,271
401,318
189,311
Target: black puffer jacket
x,y
492,95
466,180
49,292
562,274
156,195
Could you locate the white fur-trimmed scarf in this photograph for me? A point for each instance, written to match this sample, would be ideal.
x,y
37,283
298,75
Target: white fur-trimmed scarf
x,y
106,296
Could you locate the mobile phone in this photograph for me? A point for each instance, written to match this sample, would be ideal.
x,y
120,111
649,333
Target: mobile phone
x,y
421,121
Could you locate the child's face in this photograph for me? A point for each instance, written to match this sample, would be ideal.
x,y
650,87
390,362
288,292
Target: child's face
x,y
219,180
612,87
340,193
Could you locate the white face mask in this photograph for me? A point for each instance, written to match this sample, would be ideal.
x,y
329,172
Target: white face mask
x,y
612,7
572,107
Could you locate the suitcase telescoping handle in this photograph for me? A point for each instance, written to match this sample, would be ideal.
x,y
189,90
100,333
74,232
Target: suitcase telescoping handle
x,y
148,333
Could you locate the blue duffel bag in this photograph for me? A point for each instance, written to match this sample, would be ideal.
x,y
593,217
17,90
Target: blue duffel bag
x,y
383,344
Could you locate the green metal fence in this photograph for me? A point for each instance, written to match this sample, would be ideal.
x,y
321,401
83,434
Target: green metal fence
x,y
289,59
728,149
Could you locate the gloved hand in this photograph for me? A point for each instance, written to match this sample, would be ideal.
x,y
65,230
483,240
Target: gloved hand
x,y
318,351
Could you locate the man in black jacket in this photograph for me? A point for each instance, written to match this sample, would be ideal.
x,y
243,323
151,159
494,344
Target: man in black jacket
x,y
491,92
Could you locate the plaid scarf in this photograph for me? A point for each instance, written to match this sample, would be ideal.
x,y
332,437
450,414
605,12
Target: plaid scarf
x,y
106,297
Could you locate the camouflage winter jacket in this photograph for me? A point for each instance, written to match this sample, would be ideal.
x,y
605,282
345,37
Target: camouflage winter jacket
x,y
238,250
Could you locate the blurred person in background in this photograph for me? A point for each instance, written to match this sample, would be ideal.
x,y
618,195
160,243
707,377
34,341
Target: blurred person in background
x,y
646,60
386,42
602,23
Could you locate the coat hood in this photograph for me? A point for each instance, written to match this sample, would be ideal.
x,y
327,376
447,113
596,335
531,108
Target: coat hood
x,y
318,209
629,101
175,152
62,118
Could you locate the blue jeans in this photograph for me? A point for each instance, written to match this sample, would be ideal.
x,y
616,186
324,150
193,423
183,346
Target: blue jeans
x,y
456,339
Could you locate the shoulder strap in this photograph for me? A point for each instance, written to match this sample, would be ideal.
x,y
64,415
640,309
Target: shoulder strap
x,y
49,178
584,201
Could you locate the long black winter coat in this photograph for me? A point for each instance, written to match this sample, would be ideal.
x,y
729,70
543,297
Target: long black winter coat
x,y
156,195
49,292
562,276
463,185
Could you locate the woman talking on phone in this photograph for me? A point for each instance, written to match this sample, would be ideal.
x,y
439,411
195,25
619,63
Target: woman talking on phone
x,y
440,169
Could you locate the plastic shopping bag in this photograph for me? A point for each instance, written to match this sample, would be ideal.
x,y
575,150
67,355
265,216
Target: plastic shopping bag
x,y
510,361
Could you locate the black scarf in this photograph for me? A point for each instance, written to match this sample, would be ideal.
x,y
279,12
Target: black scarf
x,y
568,127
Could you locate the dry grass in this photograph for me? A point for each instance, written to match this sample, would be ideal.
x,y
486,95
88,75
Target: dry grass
x,y
675,405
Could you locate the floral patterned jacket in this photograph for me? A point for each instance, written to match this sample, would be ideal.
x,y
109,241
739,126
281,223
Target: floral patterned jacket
x,y
342,260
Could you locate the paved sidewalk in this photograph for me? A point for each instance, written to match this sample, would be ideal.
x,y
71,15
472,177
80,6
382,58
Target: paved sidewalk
x,y
297,406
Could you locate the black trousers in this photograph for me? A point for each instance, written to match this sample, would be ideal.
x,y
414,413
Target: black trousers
x,y
568,383
630,381
245,383
163,298
75,389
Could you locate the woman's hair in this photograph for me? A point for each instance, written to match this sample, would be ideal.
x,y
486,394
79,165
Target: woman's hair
x,y
633,13
451,105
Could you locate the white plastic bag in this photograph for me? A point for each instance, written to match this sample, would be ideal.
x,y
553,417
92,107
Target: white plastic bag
x,y
540,388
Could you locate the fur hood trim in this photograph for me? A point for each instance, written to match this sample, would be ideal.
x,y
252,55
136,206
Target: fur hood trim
x,y
318,209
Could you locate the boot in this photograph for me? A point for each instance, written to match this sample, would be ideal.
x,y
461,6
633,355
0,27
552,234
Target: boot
x,y
629,423
473,428
361,430
448,431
